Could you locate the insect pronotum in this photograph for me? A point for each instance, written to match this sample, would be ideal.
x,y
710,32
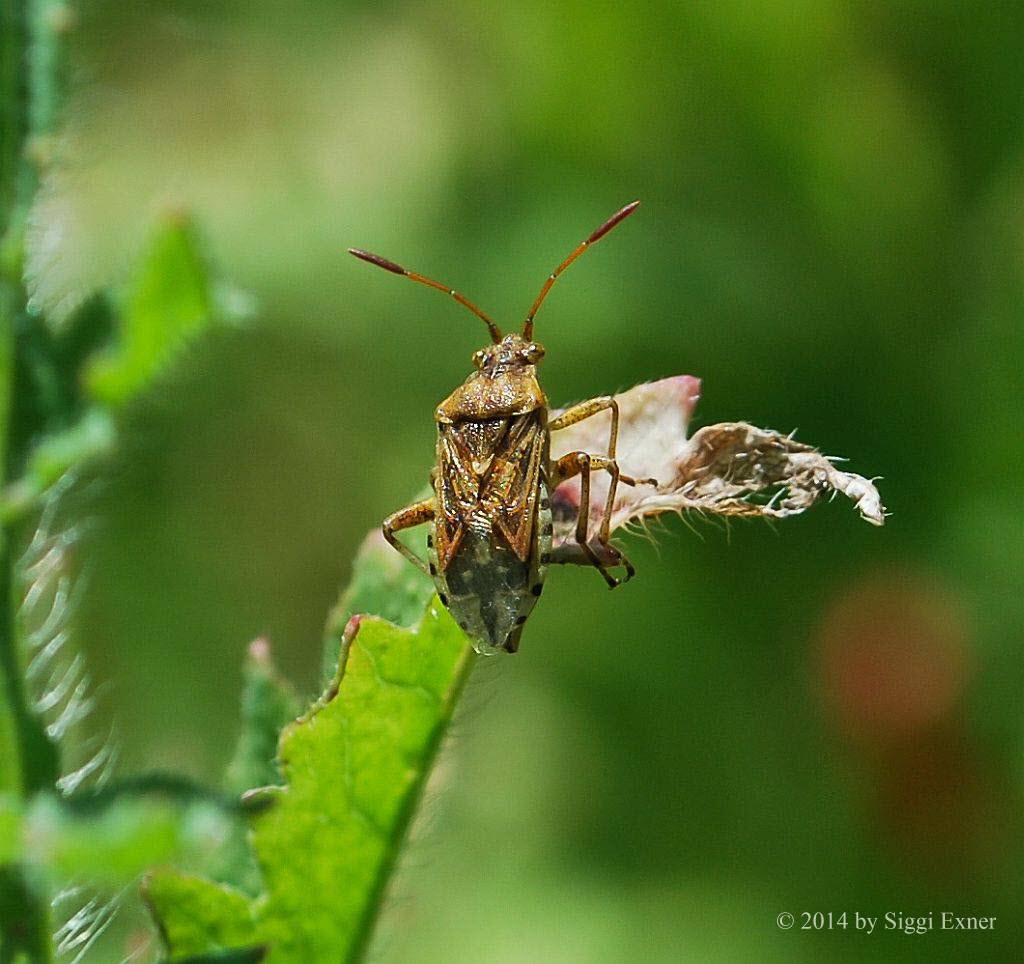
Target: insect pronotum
x,y
489,545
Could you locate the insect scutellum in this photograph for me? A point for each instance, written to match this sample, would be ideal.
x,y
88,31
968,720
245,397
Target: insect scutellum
x,y
491,538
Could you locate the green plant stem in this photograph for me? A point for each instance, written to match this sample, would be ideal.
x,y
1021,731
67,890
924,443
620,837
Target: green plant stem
x,y
13,110
49,24
171,787
31,85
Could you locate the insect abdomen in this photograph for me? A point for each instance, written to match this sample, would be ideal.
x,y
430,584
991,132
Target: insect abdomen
x,y
488,590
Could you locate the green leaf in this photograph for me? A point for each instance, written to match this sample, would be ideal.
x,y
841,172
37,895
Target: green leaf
x,y
11,779
166,305
10,828
107,843
248,955
197,916
269,701
383,583
89,437
354,768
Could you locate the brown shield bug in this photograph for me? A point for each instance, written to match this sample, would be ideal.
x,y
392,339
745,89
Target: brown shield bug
x,y
490,541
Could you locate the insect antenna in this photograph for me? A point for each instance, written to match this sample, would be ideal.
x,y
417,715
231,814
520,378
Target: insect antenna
x,y
596,236
412,276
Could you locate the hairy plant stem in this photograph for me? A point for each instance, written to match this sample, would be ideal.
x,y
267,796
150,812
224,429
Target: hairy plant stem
x,y
31,84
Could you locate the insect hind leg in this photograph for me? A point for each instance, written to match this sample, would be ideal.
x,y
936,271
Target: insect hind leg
x,y
411,516
603,555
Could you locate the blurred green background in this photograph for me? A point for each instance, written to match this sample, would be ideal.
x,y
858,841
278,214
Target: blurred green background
x,y
823,717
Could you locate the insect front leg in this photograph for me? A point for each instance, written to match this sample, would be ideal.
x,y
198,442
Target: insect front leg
x,y
582,464
412,515
592,406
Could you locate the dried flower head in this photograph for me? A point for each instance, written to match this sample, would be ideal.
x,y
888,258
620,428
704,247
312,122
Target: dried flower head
x,y
729,469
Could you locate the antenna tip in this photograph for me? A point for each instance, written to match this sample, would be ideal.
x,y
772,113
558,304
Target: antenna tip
x,y
377,260
612,221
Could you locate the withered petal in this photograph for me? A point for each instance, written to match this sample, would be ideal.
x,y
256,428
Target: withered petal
x,y
730,469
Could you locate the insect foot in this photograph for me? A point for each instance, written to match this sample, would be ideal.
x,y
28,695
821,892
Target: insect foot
x,y
629,480
619,558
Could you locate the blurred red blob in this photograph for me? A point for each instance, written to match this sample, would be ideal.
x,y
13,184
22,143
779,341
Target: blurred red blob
x,y
895,656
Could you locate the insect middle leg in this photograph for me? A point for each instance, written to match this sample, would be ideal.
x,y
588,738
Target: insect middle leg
x,y
577,413
583,464
412,515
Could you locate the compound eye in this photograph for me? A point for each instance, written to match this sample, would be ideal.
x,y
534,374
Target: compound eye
x,y
478,358
534,353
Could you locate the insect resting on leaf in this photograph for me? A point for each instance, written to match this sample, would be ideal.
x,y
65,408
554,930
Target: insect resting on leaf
x,y
490,541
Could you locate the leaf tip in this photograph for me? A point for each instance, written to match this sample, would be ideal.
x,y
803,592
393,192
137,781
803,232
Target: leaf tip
x,y
260,799
259,651
352,627
175,214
